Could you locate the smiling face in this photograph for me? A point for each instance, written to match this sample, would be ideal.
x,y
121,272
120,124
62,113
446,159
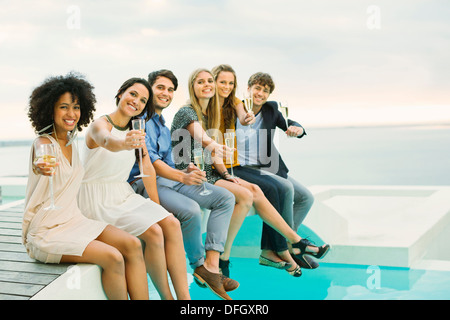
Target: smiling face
x,y
134,99
260,94
163,90
204,86
66,113
225,83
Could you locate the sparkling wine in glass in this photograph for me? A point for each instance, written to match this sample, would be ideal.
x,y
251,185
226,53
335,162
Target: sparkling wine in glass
x,y
229,142
46,153
139,124
248,103
284,111
200,163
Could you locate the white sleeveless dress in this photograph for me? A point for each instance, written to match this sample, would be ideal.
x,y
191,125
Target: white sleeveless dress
x,y
48,235
106,195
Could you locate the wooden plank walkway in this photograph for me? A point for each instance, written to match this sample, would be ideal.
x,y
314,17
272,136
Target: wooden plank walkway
x,y
20,276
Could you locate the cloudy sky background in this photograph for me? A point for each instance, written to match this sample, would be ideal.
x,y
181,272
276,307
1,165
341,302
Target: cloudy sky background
x,y
348,62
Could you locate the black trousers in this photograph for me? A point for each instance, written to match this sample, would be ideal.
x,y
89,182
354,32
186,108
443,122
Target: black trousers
x,y
272,189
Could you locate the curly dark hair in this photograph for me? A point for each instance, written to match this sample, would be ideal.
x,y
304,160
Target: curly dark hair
x,y
43,99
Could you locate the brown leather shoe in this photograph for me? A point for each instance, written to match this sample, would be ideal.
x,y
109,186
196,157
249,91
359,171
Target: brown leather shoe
x,y
212,280
229,284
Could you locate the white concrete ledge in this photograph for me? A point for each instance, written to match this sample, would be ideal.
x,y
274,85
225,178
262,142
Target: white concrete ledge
x,y
382,225
79,282
400,226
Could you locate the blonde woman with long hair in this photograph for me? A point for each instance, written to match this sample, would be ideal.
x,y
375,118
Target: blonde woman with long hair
x,y
203,96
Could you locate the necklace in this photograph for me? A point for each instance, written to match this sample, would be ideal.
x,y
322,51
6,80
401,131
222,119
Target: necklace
x,y
114,125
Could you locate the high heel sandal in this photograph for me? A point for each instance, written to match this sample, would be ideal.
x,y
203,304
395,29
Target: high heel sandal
x,y
303,243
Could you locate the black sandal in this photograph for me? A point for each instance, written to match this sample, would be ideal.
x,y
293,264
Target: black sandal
x,y
303,243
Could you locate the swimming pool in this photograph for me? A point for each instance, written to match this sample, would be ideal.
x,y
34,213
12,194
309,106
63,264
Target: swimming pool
x,y
332,282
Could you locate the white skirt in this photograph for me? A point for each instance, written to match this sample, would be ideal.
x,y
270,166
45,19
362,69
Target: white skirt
x,y
116,203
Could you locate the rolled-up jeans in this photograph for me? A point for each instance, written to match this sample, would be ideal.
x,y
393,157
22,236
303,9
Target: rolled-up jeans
x,y
184,202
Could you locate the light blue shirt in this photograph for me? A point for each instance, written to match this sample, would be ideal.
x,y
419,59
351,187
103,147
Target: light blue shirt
x,y
158,141
247,142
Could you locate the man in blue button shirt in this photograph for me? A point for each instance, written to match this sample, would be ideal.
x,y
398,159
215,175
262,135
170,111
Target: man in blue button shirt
x,y
179,191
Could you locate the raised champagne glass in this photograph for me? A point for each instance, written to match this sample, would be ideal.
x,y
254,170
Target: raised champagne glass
x,y
46,153
248,104
200,163
283,106
229,142
139,124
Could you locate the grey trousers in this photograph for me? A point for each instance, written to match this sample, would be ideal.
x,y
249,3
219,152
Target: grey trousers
x,y
184,202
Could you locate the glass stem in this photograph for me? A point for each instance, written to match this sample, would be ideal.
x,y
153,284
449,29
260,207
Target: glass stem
x,y
52,201
140,161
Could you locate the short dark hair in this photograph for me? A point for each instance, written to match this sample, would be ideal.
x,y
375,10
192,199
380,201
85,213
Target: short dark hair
x,y
43,98
152,76
262,79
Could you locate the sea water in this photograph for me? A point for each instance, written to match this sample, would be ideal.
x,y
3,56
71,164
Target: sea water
x,y
339,156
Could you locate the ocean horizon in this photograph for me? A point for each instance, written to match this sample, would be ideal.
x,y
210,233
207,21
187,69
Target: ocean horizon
x,y
350,155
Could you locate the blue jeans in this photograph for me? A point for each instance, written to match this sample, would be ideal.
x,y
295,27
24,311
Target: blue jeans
x,y
185,202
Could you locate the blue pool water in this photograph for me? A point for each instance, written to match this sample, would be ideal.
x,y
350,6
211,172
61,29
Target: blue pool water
x,y
332,282
8,199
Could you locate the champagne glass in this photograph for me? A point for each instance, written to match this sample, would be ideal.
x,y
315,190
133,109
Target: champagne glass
x,y
284,111
229,142
46,153
200,163
139,124
248,104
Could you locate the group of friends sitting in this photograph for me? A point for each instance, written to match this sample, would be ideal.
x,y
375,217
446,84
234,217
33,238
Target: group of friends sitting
x,y
132,201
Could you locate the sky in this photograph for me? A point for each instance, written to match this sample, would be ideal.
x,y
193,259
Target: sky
x,y
336,63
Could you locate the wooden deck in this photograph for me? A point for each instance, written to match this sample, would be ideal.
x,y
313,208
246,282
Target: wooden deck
x,y
20,276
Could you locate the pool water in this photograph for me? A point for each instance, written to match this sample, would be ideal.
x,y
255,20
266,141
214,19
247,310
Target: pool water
x,y
8,199
332,282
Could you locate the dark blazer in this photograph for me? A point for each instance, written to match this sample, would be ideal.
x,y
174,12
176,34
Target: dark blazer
x,y
273,118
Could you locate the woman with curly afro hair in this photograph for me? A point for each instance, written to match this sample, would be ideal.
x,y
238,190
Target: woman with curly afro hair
x,y
60,106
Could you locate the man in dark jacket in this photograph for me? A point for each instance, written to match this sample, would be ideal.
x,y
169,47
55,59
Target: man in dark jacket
x,y
256,149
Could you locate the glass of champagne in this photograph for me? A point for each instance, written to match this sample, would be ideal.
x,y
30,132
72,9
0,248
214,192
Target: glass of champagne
x,y
248,103
229,142
46,153
200,163
139,124
284,111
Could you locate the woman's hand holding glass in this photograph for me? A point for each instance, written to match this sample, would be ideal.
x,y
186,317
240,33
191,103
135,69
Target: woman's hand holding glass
x,y
45,162
139,126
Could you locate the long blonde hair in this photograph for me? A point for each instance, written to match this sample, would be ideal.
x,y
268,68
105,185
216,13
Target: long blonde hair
x,y
213,111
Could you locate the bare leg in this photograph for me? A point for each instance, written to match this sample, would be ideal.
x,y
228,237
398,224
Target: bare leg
x,y
114,275
175,256
131,249
244,200
155,260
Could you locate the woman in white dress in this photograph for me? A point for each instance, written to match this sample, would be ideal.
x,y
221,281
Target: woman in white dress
x,y
59,106
105,195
